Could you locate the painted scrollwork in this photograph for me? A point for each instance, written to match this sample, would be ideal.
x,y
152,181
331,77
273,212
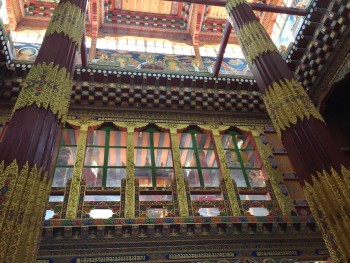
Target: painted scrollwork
x,y
130,179
73,200
180,184
231,193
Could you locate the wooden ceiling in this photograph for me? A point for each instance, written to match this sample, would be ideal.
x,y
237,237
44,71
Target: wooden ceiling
x,y
147,6
217,12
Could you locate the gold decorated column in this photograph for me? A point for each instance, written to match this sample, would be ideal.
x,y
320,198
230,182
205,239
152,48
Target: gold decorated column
x,y
29,142
180,184
130,178
73,200
231,193
315,156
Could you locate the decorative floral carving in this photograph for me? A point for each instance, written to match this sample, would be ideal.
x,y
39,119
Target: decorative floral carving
x,y
49,87
286,102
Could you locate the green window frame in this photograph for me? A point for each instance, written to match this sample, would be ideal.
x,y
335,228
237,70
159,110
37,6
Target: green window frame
x,y
201,169
105,157
243,160
149,168
65,158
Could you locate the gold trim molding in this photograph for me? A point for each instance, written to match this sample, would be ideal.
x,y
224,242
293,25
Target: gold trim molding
x,y
275,176
286,102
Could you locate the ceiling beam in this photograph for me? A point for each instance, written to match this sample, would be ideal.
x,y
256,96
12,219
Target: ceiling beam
x,y
223,44
197,24
254,6
83,51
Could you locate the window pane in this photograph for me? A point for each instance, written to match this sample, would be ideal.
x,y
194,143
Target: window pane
x,y
227,141
56,198
238,176
211,177
252,160
101,213
156,197
161,139
156,212
187,158
206,197
163,177
70,137
107,198
117,138
66,156
93,176
143,157
203,141
258,211
256,178
255,197
96,138
232,159
117,157
192,176
142,139
207,158
114,176
94,156
144,176
212,211
244,142
61,175
185,140
163,158
49,214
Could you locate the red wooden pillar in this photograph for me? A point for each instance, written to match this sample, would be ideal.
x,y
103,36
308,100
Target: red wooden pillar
x,y
317,160
27,147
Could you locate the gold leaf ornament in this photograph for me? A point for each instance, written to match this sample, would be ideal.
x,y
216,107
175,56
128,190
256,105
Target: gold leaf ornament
x,y
69,20
48,87
286,102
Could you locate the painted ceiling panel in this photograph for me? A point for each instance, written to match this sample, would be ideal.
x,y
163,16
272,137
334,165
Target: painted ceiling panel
x,y
217,12
148,6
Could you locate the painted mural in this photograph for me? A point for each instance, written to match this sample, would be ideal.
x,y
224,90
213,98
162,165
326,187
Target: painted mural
x,y
229,66
25,51
142,60
291,27
166,62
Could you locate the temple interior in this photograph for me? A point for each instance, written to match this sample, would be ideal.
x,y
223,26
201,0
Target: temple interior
x,y
169,150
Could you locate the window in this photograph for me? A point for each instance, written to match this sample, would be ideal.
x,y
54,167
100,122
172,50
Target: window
x,y
198,159
243,161
153,158
105,158
65,158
